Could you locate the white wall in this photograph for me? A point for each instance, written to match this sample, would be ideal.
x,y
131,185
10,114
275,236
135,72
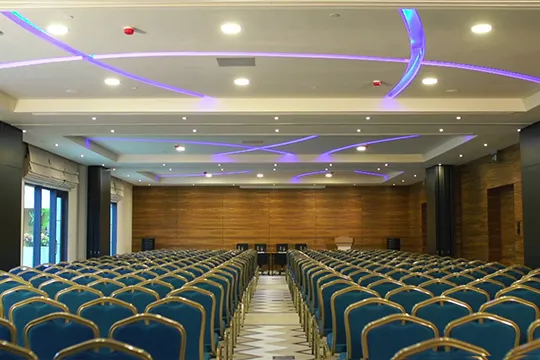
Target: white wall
x,y
124,225
77,203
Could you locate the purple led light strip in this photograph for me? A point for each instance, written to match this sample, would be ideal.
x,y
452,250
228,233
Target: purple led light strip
x,y
203,175
32,28
296,178
435,63
366,143
372,174
270,146
193,142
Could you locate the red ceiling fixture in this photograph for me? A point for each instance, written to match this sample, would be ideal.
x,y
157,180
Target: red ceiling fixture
x,y
377,83
129,30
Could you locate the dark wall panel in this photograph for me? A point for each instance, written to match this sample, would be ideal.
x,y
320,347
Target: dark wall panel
x,y
98,215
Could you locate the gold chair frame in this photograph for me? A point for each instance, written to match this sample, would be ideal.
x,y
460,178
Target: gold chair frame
x,y
447,343
17,350
103,343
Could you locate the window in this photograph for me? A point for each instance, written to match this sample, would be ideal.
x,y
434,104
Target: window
x,y
114,227
45,225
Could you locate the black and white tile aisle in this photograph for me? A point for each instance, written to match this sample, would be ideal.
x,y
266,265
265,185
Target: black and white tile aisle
x,y
271,326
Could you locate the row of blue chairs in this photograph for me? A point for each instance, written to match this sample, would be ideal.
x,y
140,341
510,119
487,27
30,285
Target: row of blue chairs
x,y
167,304
345,298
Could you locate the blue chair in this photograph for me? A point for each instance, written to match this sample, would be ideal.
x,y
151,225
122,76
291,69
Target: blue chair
x,y
501,277
123,270
106,286
19,269
11,351
25,311
325,295
408,296
41,278
533,332
107,274
530,282
361,313
162,338
491,332
68,274
515,273
442,349
102,349
437,286
160,287
26,275
415,279
104,312
145,274
192,316
85,279
14,295
441,311
490,286
130,279
12,282
137,296
397,274
520,311
54,286
403,329
51,333
523,292
219,293
358,274
73,297
383,287
475,273
370,279
437,273
459,279
88,270
7,331
337,339
471,295
159,270
528,351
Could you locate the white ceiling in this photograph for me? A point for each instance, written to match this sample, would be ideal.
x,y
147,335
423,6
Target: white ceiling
x,y
328,99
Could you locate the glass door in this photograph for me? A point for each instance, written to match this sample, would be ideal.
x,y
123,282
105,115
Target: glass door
x,y
45,225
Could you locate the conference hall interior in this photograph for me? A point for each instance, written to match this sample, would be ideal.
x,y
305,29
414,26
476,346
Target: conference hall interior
x,y
269,180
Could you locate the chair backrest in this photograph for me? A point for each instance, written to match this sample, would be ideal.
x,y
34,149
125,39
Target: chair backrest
x,y
162,338
7,331
533,332
408,296
51,333
130,279
54,286
415,279
441,311
67,274
325,294
138,296
12,282
384,286
105,311
176,281
85,279
14,295
371,278
437,286
26,275
459,278
520,311
191,315
491,332
106,286
361,313
73,297
41,278
490,286
530,351
107,274
102,349
403,329
161,287
13,352
219,293
521,291
471,295
442,349
501,277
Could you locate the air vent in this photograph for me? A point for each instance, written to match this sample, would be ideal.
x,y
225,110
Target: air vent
x,y
252,142
242,61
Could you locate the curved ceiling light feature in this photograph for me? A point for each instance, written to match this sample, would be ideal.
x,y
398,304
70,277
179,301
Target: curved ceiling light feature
x,y
366,143
271,146
297,178
371,174
35,30
176,141
435,63
204,174
417,40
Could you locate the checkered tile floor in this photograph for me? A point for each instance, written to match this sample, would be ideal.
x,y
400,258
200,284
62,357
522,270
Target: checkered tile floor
x,y
259,341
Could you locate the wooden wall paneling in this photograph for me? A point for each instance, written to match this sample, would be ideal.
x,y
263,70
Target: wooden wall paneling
x,y
508,230
245,217
494,225
338,212
417,197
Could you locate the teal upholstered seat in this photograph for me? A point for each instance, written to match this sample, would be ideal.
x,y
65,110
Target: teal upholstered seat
x,y
408,296
470,295
73,297
441,311
105,312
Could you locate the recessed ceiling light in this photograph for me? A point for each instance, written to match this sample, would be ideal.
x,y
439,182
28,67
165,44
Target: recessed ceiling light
x,y
402,180
485,144
460,155
260,175
385,164
231,28
393,184
361,148
458,117
275,164
277,130
378,169
354,184
276,117
429,81
192,184
329,164
335,15
111,82
274,169
56,145
102,164
439,164
241,82
481,28
328,175
170,169
368,118
71,91
112,130
326,169
518,130
184,118
24,131
208,175
57,29
82,155
113,169
414,175
128,175
358,130
194,130
148,184
164,164
441,130
221,169
180,148
140,180
94,118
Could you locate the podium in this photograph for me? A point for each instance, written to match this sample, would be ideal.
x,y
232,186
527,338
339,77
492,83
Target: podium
x,y
344,242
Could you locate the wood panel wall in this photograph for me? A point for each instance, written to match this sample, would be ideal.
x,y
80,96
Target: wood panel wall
x,y
221,217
